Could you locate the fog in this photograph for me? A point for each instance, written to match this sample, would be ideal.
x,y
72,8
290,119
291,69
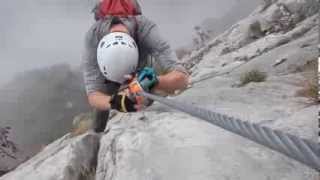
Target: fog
x,y
176,18
37,33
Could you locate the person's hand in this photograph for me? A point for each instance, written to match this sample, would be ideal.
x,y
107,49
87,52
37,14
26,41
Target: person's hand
x,y
123,103
147,78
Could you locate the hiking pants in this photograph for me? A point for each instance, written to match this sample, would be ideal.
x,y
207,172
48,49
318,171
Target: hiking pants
x,y
101,117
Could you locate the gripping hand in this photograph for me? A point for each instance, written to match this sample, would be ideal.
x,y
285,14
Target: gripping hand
x,y
123,103
147,79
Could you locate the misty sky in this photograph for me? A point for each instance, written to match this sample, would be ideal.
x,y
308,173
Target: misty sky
x,y
37,33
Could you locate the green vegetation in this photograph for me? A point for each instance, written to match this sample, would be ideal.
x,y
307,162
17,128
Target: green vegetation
x,y
309,86
252,76
310,91
87,174
82,123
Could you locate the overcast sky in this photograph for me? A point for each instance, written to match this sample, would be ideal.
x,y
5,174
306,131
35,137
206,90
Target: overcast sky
x,y
37,33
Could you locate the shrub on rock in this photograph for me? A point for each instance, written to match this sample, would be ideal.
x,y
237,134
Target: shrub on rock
x,y
252,76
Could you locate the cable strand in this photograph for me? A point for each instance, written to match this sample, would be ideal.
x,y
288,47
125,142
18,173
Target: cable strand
x,y
302,150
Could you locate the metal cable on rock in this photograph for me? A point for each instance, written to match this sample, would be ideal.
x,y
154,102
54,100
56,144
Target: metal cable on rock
x,y
302,150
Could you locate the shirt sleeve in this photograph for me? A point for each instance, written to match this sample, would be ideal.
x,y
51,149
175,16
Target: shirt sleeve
x,y
161,50
93,78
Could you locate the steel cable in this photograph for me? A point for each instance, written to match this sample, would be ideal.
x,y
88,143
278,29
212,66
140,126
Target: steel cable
x,y
302,150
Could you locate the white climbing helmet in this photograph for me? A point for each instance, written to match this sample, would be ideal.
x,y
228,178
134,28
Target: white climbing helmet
x,y
117,55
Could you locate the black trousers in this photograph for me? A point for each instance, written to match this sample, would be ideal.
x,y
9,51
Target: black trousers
x,y
101,117
100,120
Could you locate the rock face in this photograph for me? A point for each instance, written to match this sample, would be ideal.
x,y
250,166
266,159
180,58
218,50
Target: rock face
x,y
66,159
278,38
259,34
164,144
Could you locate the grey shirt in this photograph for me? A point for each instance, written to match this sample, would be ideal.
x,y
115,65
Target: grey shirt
x,y
148,39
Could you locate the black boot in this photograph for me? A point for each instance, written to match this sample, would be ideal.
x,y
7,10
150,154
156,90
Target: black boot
x,y
100,120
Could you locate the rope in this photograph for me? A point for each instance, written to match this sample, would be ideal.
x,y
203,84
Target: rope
x,y
302,150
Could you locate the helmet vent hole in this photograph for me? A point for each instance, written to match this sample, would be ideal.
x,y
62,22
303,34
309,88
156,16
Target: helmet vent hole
x,y
104,68
102,44
123,43
134,44
108,45
115,43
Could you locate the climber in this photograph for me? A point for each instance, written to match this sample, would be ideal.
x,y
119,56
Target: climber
x,y
124,46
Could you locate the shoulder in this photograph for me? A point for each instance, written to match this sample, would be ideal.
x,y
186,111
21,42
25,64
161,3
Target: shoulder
x,y
146,27
91,34
144,20
95,32
145,24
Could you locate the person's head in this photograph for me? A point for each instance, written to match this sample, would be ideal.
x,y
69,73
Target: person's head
x,y
118,26
117,54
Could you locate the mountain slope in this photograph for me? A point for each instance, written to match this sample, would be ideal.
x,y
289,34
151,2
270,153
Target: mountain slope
x,y
279,38
39,106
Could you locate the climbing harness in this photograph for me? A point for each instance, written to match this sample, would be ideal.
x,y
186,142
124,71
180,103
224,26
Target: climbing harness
x,y
134,89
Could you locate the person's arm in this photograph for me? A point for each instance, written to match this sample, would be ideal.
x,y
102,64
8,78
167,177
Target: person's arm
x,y
93,79
176,77
172,81
99,100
